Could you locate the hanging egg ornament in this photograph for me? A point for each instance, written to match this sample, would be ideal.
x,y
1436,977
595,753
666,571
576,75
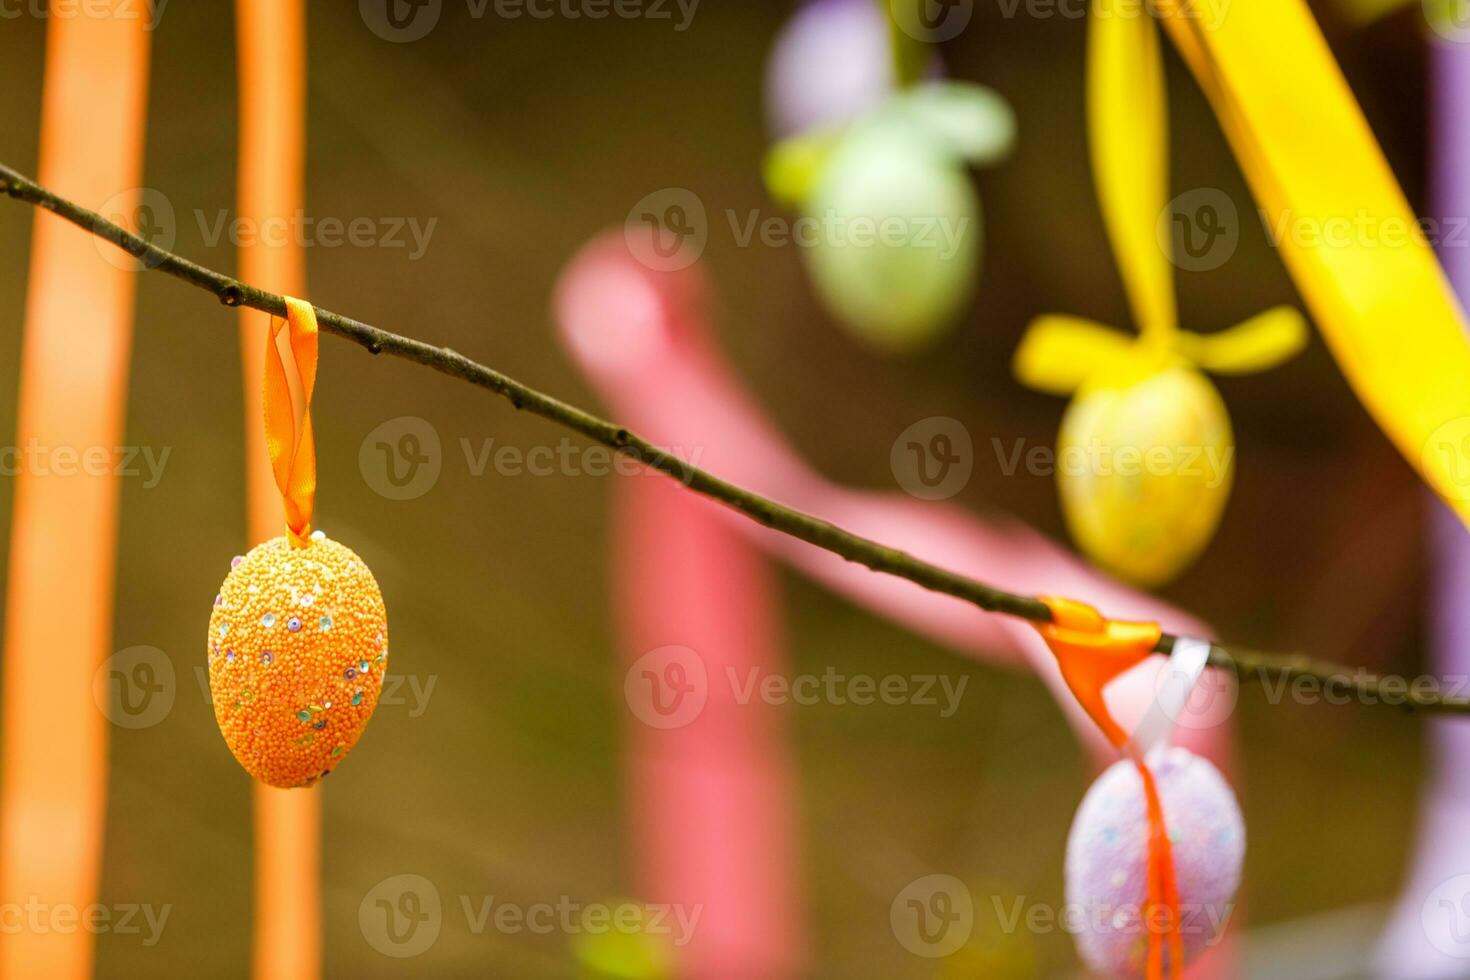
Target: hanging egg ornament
x,y
890,227
298,640
298,644
1145,461
896,231
1107,860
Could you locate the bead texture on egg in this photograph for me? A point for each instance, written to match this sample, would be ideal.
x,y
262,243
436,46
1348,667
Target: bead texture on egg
x,y
284,699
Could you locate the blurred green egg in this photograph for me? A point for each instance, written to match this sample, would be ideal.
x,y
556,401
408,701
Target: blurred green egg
x,y
622,954
893,234
1145,460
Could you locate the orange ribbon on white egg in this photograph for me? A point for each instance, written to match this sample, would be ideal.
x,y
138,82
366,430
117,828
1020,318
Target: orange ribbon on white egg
x,y
1093,651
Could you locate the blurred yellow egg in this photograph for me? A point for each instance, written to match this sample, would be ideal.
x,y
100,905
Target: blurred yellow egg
x,y
1145,460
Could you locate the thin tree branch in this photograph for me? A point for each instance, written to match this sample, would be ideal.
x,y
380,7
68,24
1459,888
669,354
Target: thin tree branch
x,y
1329,681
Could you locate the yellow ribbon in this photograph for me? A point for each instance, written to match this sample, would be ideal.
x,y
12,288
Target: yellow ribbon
x,y
1128,137
291,447
1380,298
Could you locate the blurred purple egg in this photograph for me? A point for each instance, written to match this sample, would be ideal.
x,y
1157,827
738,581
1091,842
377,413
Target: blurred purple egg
x,y
831,63
1107,860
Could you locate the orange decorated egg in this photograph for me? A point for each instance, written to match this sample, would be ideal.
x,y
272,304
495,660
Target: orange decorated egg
x,y
298,644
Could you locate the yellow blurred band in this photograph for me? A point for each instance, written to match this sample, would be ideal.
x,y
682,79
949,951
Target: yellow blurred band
x,y
1341,222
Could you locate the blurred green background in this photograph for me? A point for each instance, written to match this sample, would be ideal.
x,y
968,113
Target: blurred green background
x,y
523,139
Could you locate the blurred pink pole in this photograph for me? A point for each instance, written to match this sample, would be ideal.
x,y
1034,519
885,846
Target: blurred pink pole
x,y
714,816
1426,939
640,336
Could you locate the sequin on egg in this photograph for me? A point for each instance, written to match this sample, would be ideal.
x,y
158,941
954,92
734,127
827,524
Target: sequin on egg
x,y
293,624
349,673
268,620
326,623
303,715
266,656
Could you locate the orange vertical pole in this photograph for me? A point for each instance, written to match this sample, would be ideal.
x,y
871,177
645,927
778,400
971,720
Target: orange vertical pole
x,y
60,593
272,72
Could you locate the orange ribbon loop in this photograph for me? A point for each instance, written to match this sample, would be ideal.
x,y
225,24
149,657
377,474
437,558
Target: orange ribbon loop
x,y
1092,651
292,450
